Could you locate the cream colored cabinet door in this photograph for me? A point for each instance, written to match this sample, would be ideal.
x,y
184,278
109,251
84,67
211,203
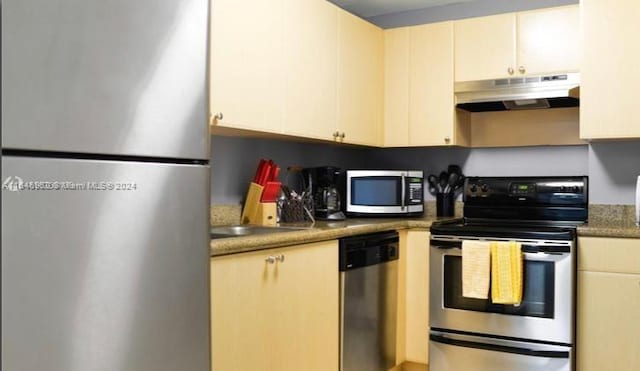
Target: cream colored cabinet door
x,y
242,301
311,55
608,321
247,64
516,44
608,304
431,101
396,87
610,71
306,299
360,80
417,296
276,309
485,47
548,40
419,101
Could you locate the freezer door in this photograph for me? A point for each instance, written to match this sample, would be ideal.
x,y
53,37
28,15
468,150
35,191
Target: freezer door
x,y
108,77
104,280
456,352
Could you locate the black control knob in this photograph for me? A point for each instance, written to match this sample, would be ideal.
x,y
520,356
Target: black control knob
x,y
473,188
484,188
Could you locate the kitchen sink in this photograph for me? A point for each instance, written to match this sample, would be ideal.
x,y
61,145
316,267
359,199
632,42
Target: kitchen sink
x,y
248,230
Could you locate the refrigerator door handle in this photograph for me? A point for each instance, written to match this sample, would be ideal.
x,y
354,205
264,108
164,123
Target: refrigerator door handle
x,y
489,344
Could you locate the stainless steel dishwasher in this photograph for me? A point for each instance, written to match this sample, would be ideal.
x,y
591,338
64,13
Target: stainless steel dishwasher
x,y
368,305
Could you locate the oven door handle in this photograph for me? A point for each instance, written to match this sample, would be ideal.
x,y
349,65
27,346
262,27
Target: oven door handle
x,y
526,248
487,344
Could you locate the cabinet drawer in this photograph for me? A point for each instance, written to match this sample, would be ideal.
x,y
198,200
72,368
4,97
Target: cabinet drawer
x,y
615,255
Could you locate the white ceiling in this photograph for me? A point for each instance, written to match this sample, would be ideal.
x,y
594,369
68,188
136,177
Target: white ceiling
x,y
372,8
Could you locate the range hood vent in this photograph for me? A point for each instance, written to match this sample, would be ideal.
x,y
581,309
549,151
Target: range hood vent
x,y
519,93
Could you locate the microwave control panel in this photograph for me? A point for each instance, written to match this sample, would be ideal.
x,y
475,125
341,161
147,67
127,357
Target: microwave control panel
x,y
414,192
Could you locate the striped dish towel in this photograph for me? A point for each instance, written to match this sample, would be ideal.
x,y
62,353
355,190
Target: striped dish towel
x,y
506,272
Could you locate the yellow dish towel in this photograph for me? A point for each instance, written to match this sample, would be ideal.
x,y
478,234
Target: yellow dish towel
x,y
506,272
475,269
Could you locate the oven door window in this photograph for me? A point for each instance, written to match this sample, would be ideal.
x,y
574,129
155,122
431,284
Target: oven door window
x,y
537,297
376,191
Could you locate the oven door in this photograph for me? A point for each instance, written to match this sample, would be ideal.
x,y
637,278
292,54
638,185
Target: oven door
x,y
547,304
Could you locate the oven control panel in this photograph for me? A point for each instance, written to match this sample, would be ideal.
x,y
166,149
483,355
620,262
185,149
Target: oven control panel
x,y
548,190
527,198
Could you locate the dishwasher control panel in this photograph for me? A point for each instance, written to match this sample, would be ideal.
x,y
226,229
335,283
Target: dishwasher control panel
x,y
370,249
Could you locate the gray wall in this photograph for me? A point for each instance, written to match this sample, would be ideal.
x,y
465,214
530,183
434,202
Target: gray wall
x,y
613,170
476,8
612,167
234,161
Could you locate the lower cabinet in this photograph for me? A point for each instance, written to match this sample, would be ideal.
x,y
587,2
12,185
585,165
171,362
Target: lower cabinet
x,y
276,309
608,304
413,321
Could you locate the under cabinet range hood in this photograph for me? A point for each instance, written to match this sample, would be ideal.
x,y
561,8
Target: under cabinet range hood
x,y
519,93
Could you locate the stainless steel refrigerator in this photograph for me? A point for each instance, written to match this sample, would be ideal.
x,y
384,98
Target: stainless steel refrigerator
x,y
105,176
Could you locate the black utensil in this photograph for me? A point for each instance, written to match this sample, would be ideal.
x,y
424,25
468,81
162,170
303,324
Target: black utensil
x,y
454,169
433,183
443,180
451,183
459,184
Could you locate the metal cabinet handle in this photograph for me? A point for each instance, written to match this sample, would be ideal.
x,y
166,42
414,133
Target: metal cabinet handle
x,y
447,140
510,70
342,136
335,135
273,259
522,70
219,116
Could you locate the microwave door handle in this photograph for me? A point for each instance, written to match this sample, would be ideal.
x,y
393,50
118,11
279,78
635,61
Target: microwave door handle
x,y
499,347
403,194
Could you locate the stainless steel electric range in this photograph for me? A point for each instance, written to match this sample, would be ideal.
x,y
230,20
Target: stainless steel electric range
x,y
475,334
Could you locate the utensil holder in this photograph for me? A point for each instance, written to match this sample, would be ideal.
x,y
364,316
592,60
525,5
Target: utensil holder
x,y
293,210
445,204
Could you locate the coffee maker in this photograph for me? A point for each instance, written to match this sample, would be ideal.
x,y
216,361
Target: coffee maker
x,y
325,187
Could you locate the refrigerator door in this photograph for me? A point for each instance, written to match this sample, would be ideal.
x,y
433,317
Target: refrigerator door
x,y
106,77
456,352
105,280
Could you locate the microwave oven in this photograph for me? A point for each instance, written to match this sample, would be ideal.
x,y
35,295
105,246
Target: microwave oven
x,y
384,193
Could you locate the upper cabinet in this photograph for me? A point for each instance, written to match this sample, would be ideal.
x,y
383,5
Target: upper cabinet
x,y
610,72
419,104
304,68
247,65
396,87
311,58
360,80
485,47
431,108
516,44
548,40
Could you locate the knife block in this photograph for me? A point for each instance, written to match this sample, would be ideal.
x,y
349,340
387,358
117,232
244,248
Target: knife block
x,y
256,212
